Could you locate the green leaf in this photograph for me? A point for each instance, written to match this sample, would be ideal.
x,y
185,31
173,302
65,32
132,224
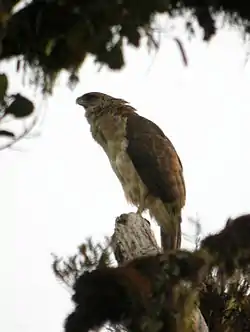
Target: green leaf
x,y
21,107
7,133
3,86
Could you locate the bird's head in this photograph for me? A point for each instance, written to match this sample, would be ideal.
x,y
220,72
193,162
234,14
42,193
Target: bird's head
x,y
96,103
91,99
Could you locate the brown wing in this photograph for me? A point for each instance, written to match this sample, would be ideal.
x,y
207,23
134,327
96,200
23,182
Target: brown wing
x,y
155,160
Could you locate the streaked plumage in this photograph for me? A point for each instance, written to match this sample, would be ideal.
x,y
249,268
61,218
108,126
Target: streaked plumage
x,y
143,159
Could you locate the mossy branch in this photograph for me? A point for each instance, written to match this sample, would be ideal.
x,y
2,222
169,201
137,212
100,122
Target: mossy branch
x,y
159,291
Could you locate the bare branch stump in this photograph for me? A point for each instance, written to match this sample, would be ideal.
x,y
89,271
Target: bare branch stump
x,y
133,238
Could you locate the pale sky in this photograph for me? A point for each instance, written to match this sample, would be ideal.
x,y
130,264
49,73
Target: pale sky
x,y
61,188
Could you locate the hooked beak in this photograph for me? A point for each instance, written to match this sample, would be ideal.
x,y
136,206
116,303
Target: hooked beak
x,y
80,101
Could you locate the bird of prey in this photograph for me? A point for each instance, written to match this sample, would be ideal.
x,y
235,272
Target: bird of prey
x,y
143,158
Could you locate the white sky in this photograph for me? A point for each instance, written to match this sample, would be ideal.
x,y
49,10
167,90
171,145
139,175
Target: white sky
x,y
62,189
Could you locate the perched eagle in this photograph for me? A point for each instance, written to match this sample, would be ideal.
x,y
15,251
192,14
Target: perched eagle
x,y
143,159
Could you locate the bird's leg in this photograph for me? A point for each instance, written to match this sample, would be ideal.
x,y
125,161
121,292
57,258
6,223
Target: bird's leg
x,y
141,207
140,210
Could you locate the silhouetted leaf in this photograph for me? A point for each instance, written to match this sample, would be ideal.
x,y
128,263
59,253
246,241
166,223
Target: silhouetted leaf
x,y
3,86
20,107
7,133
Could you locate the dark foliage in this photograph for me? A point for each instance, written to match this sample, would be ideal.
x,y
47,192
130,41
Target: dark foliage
x,y
89,257
150,290
58,34
233,247
226,309
114,301
15,107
